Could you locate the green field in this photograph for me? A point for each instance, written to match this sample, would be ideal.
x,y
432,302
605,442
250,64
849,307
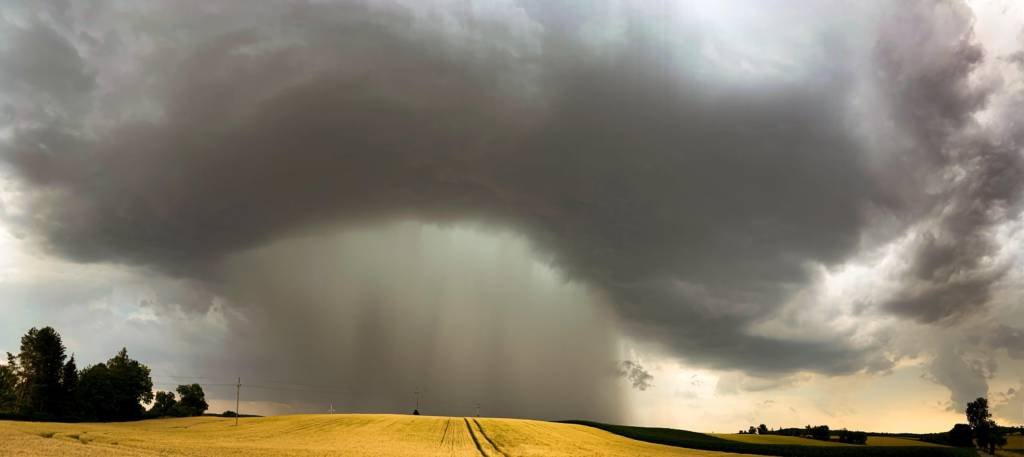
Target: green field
x,y
776,439
692,440
325,435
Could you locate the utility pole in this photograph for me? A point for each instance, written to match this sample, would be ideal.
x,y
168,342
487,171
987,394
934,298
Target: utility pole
x,y
478,410
238,390
417,392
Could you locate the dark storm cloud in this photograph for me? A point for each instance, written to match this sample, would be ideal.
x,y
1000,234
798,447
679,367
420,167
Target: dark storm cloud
x,y
695,208
965,379
1009,338
39,60
934,100
639,378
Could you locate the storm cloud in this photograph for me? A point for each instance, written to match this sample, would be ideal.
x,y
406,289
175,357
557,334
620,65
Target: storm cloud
x,y
694,207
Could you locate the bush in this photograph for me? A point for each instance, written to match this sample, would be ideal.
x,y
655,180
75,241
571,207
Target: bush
x,y
961,436
228,414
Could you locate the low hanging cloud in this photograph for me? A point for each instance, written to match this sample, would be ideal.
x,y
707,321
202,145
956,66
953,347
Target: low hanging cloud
x,y
966,377
694,208
638,378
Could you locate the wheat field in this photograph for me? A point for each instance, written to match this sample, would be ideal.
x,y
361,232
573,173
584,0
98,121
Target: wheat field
x,y
324,435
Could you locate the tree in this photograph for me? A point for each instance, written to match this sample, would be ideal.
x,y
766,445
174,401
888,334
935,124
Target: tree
x,y
977,413
115,390
415,412
42,360
69,386
752,430
986,431
821,432
852,438
163,405
762,429
844,435
229,413
9,384
193,400
961,436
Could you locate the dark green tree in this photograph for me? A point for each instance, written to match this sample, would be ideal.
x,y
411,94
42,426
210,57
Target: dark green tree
x,y
821,432
987,433
962,435
752,430
762,429
193,400
979,418
42,360
164,404
10,383
844,435
977,413
69,387
115,390
415,412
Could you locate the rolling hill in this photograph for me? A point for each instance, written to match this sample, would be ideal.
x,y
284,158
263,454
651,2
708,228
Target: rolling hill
x,y
320,435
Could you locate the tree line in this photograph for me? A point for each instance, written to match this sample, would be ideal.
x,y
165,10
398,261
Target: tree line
x,y
980,431
43,383
819,432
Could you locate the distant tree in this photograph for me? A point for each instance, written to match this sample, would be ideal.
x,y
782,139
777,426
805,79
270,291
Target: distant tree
x,y
977,413
848,437
752,430
193,400
962,435
163,404
115,390
415,412
42,360
762,429
986,431
821,432
229,414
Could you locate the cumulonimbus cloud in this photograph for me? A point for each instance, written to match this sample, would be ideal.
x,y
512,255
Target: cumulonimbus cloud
x,y
695,207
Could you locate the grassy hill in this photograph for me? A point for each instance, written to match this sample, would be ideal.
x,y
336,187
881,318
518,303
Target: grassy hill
x,y
693,440
323,435
776,439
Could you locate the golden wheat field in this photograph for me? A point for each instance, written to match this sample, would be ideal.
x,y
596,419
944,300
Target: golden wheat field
x,y
324,435
1015,442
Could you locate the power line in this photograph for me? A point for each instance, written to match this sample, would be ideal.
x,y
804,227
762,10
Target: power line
x,y
330,389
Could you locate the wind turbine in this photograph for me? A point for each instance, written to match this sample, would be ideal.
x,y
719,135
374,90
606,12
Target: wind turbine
x,y
330,411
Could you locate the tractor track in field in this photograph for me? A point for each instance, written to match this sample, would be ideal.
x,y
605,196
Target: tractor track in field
x,y
473,435
443,435
482,432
